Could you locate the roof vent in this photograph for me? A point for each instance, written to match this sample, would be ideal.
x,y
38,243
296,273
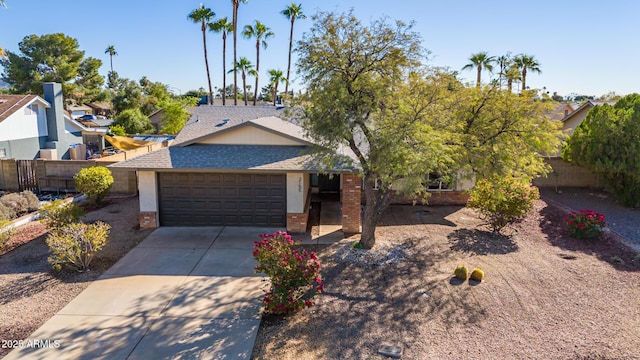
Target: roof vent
x,y
223,123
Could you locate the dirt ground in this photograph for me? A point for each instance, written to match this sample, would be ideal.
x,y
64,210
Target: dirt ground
x,y
545,295
32,292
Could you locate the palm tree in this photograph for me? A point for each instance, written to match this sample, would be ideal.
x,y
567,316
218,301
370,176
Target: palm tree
x,y
512,73
245,67
275,78
236,4
503,61
292,12
261,33
3,4
479,61
111,50
223,26
527,63
203,15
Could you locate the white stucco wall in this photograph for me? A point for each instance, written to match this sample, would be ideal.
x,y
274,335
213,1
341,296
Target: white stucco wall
x,y
297,189
148,187
249,135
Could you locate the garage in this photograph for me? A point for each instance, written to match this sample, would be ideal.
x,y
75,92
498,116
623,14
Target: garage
x,y
222,199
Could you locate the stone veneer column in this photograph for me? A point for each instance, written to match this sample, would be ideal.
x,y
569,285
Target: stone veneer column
x,y
351,198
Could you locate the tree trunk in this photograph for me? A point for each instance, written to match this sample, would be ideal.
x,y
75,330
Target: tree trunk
x,y
235,55
286,86
224,67
376,203
244,86
275,93
111,61
524,78
479,76
206,62
255,91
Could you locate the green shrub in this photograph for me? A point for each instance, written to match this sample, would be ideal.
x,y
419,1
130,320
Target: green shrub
x,y
15,202
295,275
6,232
56,214
76,244
95,182
477,274
461,272
502,201
32,200
6,213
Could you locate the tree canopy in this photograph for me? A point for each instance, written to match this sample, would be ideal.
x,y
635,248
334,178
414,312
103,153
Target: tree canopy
x,y
368,91
52,57
606,142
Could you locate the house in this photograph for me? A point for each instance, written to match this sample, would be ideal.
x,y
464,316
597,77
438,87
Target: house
x,y
240,166
572,119
77,111
156,118
32,127
100,109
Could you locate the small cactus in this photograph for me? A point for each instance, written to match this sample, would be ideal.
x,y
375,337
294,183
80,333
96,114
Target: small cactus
x,y
477,274
461,272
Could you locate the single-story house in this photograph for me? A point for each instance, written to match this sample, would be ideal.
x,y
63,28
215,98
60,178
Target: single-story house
x,y
100,109
240,166
77,111
32,127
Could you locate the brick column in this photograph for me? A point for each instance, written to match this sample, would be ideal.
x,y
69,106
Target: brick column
x,y
351,195
148,220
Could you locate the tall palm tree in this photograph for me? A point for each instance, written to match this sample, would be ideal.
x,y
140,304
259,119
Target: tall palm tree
x,y
236,4
527,63
275,78
245,67
111,50
479,61
261,33
512,73
503,61
223,26
292,12
203,16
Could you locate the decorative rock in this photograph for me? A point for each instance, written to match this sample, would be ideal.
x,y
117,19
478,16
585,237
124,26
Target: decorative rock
x,y
392,351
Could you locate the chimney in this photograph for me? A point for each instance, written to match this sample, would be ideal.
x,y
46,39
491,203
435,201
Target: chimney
x,y
55,114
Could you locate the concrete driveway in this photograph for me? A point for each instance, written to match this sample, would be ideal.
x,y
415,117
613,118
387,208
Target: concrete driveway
x,y
181,293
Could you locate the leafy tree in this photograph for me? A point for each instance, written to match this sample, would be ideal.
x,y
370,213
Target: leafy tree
x,y
129,95
134,121
95,182
245,67
480,61
526,63
292,12
236,5
223,26
202,16
175,115
275,78
117,130
51,57
261,33
606,142
111,50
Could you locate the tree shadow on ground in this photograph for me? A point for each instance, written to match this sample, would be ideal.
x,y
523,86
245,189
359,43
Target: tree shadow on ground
x,y
606,248
418,215
481,242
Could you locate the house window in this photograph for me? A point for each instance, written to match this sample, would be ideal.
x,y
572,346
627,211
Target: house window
x,y
3,153
437,181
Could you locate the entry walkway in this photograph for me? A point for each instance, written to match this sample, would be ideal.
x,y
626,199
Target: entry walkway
x,y
181,293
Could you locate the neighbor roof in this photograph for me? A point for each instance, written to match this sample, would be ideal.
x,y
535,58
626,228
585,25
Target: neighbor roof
x,y
9,104
230,158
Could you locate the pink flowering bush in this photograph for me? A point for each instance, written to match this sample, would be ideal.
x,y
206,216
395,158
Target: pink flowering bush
x,y
585,224
294,273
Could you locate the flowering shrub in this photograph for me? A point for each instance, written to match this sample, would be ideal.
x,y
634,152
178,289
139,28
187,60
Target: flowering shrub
x,y
502,201
585,224
294,273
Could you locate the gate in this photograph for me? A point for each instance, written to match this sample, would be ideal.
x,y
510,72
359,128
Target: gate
x,y
27,177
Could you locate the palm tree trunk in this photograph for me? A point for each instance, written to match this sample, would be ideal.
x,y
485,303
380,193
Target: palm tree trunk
x,y
524,78
275,93
244,86
224,67
111,61
479,75
235,53
286,86
255,91
206,61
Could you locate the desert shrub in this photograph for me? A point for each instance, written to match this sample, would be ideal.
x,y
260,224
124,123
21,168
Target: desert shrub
x,y
461,272
6,232
502,201
477,274
56,214
95,182
32,200
75,244
294,273
585,224
6,213
15,202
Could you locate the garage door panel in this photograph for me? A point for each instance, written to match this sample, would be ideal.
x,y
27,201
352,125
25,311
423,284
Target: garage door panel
x,y
208,199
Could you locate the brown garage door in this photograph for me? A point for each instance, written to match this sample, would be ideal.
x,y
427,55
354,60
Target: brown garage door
x,y
202,199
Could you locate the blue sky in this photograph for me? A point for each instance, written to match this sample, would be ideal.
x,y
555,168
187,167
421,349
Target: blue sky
x,y
585,47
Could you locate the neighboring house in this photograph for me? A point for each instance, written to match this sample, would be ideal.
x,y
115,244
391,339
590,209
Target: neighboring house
x,y
239,166
32,127
100,109
156,118
571,120
77,111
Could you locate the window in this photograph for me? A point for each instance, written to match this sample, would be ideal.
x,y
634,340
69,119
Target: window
x,y
437,181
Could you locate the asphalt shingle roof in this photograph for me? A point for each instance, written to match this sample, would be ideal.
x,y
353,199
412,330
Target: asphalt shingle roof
x,y
9,104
